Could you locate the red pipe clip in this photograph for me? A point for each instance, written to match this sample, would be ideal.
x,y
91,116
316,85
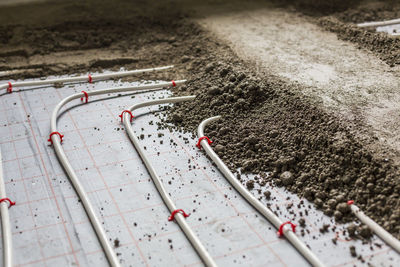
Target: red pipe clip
x,y
173,83
280,231
10,203
60,135
172,217
86,96
201,139
130,113
350,202
9,89
90,78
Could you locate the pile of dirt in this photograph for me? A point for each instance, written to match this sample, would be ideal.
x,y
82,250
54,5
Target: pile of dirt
x,y
269,127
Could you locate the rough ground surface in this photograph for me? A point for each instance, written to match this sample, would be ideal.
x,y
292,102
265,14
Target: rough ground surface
x,y
271,122
343,24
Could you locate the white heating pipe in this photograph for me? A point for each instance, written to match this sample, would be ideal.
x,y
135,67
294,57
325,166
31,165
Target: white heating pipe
x,y
379,23
84,78
198,246
378,230
111,256
5,222
267,213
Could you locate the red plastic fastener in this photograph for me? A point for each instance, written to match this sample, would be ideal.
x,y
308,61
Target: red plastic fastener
x,y
280,231
173,83
60,135
86,96
201,139
122,114
172,217
90,78
10,203
9,89
350,202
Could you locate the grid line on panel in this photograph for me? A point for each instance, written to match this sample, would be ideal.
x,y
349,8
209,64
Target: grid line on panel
x,y
46,259
25,178
49,181
36,228
12,140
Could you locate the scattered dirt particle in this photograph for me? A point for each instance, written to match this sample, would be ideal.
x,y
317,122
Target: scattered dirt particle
x,y
353,251
116,243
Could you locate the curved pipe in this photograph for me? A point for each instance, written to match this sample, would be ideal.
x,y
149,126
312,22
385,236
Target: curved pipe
x,y
379,23
379,231
267,213
111,256
84,78
5,223
198,246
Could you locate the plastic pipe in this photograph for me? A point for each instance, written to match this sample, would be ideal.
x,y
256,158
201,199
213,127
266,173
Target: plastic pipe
x,y
379,23
267,213
378,230
5,222
111,256
84,78
198,246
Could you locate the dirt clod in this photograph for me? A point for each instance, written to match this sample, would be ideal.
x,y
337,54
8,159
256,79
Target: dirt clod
x,y
353,251
250,184
116,243
287,178
365,231
219,149
302,222
351,229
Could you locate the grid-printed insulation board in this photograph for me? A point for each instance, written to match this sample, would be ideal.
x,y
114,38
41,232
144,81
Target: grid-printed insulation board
x,y
49,224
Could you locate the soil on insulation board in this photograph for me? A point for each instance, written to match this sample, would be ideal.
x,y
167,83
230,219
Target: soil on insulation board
x,y
267,126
